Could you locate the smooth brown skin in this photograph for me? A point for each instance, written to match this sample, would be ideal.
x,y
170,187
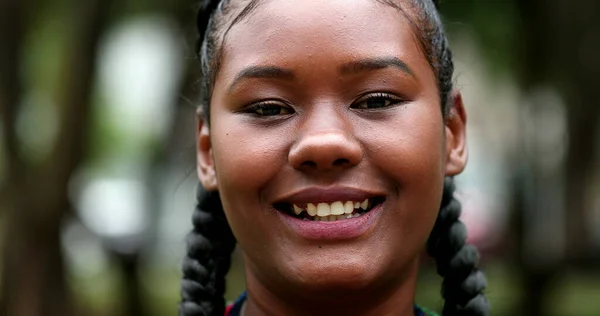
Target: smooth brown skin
x,y
403,151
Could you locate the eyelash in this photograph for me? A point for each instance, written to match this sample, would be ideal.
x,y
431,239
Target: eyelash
x,y
256,108
379,96
388,99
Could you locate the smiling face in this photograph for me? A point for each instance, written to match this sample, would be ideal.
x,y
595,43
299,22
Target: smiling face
x,y
318,102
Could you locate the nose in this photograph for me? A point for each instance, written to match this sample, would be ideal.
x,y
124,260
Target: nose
x,y
325,149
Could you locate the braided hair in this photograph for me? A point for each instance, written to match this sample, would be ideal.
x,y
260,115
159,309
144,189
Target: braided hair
x,y
208,258
211,241
456,261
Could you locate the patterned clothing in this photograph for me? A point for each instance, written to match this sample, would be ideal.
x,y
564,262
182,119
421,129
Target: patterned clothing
x,y
235,308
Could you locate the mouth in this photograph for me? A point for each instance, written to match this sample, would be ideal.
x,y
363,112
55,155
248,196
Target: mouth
x,y
329,212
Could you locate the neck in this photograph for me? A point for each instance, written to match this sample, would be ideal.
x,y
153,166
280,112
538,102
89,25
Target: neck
x,y
393,297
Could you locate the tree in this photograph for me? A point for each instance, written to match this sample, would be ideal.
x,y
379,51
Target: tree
x,y
559,40
35,200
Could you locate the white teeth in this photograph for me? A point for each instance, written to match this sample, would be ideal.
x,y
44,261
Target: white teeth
x,y
332,212
311,209
364,204
349,207
297,209
337,208
323,209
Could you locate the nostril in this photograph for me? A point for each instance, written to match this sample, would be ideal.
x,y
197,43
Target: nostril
x,y
310,164
341,162
325,152
336,163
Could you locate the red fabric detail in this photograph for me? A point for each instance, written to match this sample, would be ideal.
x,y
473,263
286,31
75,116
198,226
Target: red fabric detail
x,y
228,309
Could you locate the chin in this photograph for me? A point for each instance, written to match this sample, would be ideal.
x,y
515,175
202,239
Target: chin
x,y
326,274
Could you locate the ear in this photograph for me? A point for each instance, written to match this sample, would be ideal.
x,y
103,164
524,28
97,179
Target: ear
x,y
456,139
204,156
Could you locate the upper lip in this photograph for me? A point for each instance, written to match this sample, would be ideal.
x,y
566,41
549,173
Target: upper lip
x,y
328,195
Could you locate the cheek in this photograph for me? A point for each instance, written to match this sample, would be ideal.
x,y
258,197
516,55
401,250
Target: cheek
x,y
246,158
410,154
410,148
246,155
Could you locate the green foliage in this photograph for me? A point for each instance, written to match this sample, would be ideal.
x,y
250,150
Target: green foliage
x,y
492,24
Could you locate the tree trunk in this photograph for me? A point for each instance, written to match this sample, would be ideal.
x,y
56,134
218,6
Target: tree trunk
x,y
560,39
33,281
33,274
12,29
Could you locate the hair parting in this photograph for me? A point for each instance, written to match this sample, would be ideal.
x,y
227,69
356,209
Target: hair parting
x,y
211,242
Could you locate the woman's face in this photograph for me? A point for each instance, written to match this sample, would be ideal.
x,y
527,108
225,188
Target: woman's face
x,y
324,103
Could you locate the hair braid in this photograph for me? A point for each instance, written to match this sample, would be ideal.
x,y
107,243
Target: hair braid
x,y
208,258
456,261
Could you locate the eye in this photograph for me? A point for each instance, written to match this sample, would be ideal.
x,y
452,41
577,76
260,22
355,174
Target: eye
x,y
269,108
376,101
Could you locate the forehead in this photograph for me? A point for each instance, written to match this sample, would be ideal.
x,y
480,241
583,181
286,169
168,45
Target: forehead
x,y
286,32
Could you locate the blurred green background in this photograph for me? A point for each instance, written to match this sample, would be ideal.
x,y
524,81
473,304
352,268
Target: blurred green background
x,y
97,170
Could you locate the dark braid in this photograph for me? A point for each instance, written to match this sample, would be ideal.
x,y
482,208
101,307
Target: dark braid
x,y
463,284
211,242
456,261
208,259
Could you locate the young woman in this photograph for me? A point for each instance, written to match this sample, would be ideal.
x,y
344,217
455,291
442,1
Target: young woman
x,y
328,137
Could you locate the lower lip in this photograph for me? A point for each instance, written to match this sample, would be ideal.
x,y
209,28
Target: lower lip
x,y
336,230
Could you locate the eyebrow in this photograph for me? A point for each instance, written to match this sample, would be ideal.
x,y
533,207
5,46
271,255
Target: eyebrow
x,y
353,67
267,72
370,64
